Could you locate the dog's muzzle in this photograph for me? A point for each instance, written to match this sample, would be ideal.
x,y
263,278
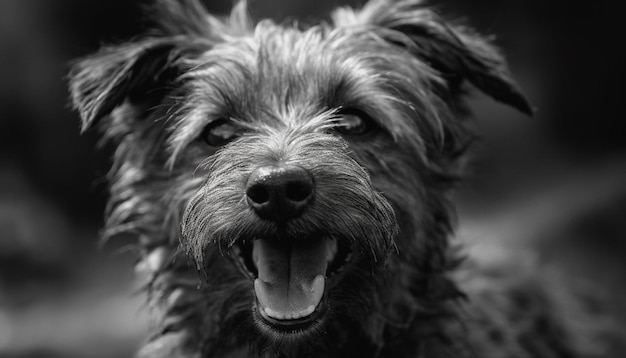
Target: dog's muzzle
x,y
296,231
291,271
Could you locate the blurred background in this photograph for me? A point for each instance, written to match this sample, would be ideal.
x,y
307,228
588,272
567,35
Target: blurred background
x,y
557,181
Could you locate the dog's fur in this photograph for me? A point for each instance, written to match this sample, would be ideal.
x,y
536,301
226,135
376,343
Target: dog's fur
x,y
384,193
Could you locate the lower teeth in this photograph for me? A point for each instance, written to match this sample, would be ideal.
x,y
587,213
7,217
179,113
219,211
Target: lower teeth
x,y
279,316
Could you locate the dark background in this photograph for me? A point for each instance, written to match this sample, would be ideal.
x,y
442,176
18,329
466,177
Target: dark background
x,y
560,174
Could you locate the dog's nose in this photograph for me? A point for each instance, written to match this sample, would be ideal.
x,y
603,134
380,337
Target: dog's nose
x,y
279,193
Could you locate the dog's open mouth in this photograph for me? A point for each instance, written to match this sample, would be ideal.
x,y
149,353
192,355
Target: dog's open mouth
x,y
291,277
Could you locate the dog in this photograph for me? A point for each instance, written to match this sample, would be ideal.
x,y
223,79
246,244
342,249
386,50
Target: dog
x,y
288,187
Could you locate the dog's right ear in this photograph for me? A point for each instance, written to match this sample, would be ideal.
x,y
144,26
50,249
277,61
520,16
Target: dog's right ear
x,y
141,70
135,71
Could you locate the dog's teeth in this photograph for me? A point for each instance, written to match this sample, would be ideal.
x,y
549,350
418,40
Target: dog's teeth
x,y
255,257
308,310
289,316
332,250
270,313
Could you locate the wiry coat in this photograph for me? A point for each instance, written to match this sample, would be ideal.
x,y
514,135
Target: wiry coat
x,y
384,194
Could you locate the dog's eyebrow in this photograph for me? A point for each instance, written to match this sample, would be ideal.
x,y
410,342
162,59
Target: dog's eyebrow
x,y
187,123
398,103
212,84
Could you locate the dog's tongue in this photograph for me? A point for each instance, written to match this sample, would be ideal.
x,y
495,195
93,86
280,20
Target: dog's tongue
x,y
291,275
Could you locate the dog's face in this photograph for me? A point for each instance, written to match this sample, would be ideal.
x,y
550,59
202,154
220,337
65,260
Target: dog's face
x,y
304,170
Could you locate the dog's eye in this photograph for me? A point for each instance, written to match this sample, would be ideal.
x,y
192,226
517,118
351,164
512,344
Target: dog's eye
x,y
353,123
220,132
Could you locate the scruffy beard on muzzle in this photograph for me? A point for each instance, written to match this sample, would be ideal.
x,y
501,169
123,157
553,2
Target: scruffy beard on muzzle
x,y
349,222
231,298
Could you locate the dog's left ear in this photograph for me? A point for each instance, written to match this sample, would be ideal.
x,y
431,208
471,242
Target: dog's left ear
x,y
455,52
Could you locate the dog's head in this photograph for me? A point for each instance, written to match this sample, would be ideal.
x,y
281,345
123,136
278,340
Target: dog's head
x,y
304,170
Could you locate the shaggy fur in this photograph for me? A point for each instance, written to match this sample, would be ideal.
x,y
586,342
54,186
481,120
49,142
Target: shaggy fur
x,y
383,194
